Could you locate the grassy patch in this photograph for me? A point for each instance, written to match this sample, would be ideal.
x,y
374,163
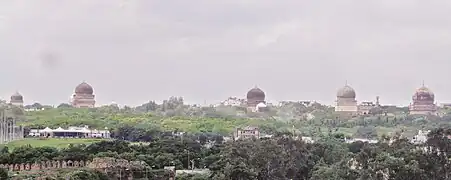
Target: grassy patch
x,y
50,142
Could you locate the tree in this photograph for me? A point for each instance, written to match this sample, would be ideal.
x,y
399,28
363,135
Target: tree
x,y
37,106
64,105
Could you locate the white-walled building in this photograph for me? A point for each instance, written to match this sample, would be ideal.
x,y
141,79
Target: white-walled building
x,y
74,132
421,137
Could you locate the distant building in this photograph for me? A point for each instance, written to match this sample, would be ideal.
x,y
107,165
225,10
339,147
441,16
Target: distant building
x,y
304,103
233,101
256,99
421,137
366,107
371,141
346,100
247,132
83,96
423,102
71,132
16,99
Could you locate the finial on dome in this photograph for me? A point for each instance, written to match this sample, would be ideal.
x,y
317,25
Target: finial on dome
x,y
346,82
423,83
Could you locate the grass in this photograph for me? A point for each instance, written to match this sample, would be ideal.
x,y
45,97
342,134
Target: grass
x,y
50,142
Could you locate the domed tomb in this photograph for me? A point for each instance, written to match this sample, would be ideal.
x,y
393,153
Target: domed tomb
x,y
346,101
84,88
346,92
255,96
423,102
16,99
83,96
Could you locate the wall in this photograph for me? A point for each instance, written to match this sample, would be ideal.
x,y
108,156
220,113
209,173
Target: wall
x,y
44,165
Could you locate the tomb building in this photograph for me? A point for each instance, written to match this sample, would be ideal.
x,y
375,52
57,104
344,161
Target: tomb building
x,y
346,100
423,102
255,99
16,99
84,96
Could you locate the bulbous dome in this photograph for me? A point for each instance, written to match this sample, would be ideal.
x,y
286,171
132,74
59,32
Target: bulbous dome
x,y
84,88
256,93
346,92
423,93
17,97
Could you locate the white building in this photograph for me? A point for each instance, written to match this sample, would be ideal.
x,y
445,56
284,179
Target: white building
x,y
233,101
421,137
71,132
371,141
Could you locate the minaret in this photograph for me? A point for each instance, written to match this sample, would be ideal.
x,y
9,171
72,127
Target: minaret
x,y
377,101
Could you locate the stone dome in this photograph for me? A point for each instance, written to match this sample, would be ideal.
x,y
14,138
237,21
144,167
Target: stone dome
x,y
84,88
423,93
256,93
346,92
17,97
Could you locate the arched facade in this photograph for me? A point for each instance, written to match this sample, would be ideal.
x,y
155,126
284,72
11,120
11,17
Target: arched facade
x,y
84,96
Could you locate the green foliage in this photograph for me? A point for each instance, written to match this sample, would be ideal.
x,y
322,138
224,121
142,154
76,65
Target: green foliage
x,y
100,118
4,174
85,174
50,142
281,157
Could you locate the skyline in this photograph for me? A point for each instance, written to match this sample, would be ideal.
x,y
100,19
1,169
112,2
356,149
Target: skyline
x,y
140,50
241,97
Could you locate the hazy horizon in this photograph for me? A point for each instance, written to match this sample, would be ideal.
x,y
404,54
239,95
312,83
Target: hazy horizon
x,y
133,51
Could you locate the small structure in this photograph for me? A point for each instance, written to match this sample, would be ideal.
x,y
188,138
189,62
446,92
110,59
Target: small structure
x,y
421,137
261,107
84,96
16,99
423,102
368,106
233,101
346,101
371,141
71,132
247,132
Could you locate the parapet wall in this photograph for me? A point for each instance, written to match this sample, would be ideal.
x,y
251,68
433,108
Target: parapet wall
x,y
44,165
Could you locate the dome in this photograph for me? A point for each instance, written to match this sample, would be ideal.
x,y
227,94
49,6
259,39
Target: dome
x,y
256,93
346,92
423,93
261,105
84,88
17,97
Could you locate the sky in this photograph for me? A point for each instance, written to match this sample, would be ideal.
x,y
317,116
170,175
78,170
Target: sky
x,y
133,51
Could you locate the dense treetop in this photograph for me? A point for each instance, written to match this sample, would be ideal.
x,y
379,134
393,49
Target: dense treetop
x,y
293,117
280,157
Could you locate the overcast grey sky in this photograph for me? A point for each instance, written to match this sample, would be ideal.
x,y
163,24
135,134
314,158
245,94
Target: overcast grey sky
x,y
132,51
